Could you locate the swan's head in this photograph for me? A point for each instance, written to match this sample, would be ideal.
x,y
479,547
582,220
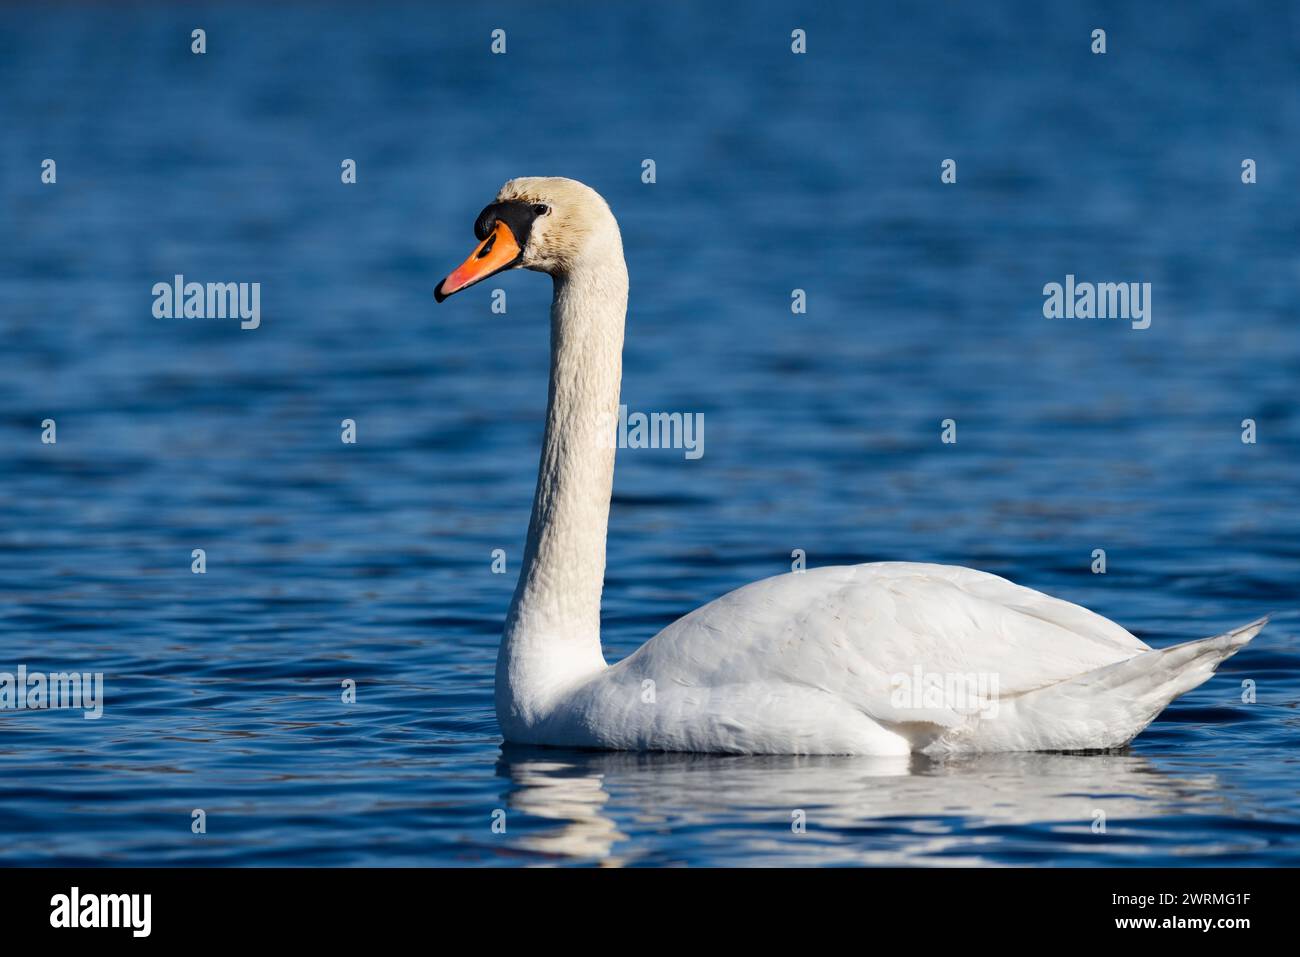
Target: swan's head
x,y
547,223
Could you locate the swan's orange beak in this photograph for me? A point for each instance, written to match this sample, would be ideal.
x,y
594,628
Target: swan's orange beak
x,y
499,251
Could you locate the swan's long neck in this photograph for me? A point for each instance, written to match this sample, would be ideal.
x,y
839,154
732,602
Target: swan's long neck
x,y
552,632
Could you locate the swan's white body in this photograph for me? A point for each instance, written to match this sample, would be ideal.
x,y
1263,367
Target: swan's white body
x,y
828,661
824,662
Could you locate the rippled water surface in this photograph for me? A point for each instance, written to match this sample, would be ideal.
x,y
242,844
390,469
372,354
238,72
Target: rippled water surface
x,y
372,561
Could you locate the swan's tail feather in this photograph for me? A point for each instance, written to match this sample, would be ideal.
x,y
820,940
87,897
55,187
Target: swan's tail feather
x,y
1105,708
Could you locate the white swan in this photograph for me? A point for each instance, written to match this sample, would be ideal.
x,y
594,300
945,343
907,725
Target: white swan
x,y
884,658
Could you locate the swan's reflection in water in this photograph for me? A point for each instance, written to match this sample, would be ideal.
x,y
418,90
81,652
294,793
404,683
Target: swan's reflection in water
x,y
581,806
557,790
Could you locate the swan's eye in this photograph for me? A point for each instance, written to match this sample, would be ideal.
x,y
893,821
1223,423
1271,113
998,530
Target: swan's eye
x,y
541,209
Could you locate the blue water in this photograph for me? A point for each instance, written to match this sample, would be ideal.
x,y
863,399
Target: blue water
x,y
372,561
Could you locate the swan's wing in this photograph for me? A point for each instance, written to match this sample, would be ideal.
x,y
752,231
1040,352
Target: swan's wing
x,y
860,632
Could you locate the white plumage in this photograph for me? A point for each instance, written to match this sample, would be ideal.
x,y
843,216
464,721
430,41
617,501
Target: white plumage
x,y
811,664
887,658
